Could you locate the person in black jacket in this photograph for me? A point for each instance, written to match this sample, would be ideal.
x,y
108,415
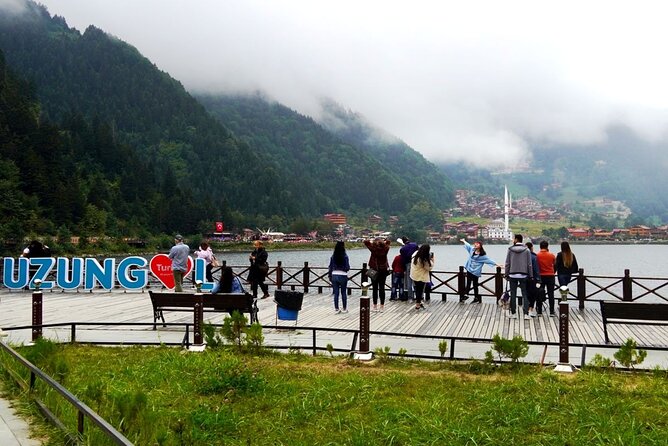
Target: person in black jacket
x,y
258,269
565,264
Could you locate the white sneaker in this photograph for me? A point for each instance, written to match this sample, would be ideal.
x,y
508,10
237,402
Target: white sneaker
x,y
337,311
345,310
527,317
533,313
512,315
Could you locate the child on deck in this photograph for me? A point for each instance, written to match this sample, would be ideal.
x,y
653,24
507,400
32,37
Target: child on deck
x,y
398,272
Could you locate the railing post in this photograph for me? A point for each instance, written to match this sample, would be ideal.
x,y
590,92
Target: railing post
x,y
80,422
461,282
498,283
36,313
73,333
582,292
564,364
627,287
314,342
365,319
306,277
199,318
279,275
364,278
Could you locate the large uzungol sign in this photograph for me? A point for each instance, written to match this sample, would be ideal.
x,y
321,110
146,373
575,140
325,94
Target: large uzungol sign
x,y
130,273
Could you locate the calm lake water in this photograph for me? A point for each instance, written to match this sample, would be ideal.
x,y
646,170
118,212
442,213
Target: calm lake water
x,y
599,260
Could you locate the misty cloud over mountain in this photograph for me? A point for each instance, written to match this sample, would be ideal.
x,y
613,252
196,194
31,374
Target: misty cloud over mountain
x,y
456,81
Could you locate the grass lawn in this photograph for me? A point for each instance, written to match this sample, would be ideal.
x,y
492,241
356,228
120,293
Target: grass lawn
x,y
168,397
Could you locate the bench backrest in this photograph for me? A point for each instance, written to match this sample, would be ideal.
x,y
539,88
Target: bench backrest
x,y
223,301
633,310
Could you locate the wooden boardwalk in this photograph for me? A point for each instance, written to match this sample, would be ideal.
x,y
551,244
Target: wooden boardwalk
x,y
449,318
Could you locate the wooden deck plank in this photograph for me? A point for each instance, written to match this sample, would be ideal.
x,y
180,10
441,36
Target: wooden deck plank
x,y
441,318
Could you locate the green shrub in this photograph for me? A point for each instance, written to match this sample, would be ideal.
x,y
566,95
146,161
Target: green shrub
x,y
234,329
443,347
601,361
514,348
629,355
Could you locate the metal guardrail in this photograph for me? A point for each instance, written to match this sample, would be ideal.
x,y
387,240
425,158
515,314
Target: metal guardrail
x,y
313,346
80,406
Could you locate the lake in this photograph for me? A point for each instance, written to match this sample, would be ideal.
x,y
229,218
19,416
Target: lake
x,y
643,260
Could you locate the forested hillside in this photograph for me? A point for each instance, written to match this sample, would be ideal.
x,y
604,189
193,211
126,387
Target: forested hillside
x,y
393,154
96,80
76,178
327,163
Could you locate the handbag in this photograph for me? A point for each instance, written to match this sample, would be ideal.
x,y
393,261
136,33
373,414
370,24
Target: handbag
x,y
263,268
505,297
214,262
371,274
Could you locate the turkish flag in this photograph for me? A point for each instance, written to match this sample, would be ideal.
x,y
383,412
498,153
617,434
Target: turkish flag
x,y
219,226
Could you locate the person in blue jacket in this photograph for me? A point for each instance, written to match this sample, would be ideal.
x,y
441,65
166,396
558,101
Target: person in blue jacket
x,y
476,260
228,283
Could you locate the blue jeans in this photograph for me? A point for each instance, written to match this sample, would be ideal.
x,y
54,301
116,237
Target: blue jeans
x,y
397,285
408,282
339,285
522,283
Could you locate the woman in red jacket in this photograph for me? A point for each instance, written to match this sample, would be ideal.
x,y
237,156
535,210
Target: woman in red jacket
x,y
378,261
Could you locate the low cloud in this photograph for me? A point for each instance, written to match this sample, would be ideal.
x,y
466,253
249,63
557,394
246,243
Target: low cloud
x,y
455,80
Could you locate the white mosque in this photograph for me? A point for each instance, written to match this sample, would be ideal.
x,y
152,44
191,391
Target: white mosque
x,y
499,229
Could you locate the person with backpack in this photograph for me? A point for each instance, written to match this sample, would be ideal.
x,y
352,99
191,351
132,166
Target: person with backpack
x,y
518,270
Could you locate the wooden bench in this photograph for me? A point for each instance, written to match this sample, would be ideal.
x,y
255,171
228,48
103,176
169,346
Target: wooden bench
x,y
631,313
217,303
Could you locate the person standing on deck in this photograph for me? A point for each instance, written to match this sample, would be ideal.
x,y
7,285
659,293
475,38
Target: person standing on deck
x,y
258,269
476,260
398,271
565,264
533,284
205,252
407,251
339,265
179,256
378,261
518,269
422,264
546,268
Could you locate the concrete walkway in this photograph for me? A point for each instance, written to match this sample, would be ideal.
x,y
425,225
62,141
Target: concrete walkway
x,y
14,430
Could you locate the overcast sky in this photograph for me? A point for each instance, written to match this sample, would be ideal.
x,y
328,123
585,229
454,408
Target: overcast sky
x,y
456,80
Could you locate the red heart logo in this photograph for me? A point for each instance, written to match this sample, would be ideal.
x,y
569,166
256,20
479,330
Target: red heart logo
x,y
161,267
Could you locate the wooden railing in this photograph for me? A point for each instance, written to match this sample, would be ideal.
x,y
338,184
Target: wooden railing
x,y
583,287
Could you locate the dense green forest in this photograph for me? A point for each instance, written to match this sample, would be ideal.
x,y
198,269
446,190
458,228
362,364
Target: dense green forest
x,y
76,178
137,134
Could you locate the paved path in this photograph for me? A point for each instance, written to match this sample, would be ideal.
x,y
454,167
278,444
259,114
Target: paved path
x,y
14,430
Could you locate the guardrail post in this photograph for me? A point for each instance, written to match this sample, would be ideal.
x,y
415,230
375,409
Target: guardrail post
x,y
498,283
627,287
36,314
364,277
80,422
461,282
199,319
564,364
306,277
365,319
279,275
73,333
582,292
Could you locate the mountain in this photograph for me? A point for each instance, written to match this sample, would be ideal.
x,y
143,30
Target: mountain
x,y
397,156
326,161
245,177
623,168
